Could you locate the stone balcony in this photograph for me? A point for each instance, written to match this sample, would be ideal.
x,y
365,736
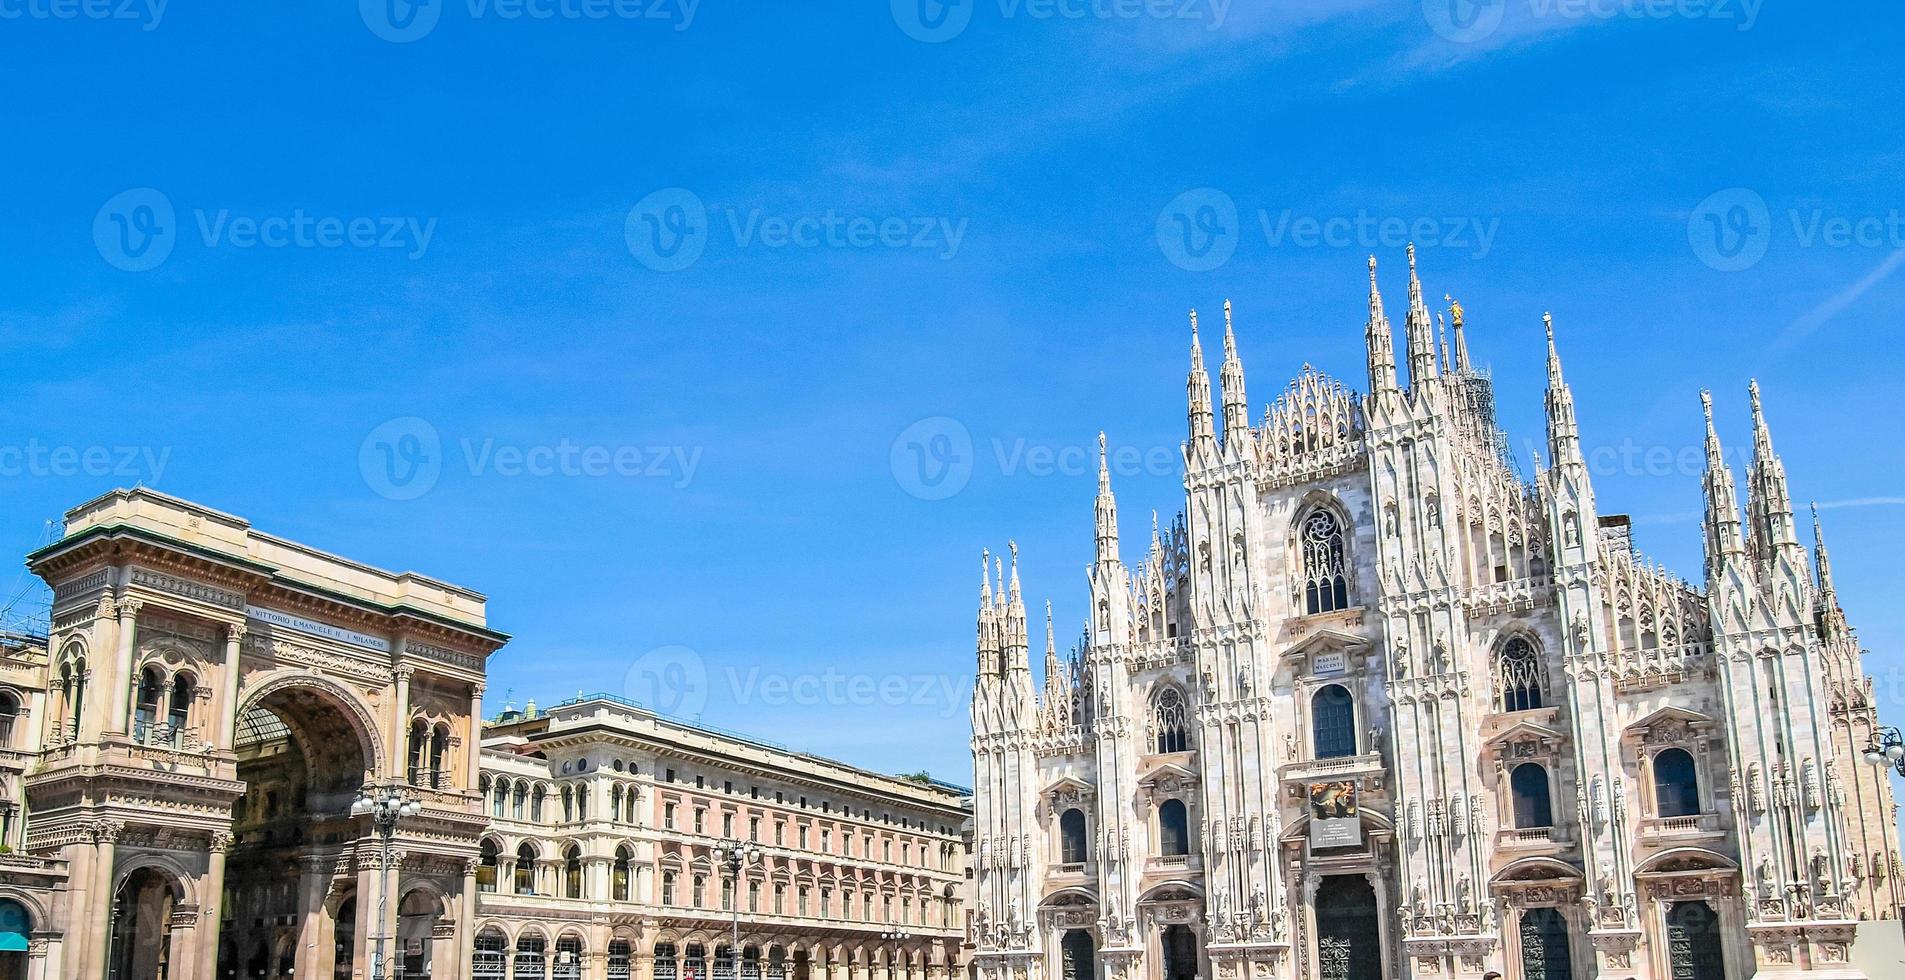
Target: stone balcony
x,y
1681,830
1332,770
1527,841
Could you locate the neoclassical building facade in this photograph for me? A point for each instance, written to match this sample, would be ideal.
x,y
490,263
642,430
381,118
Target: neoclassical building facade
x,y
603,858
180,755
181,751
1374,705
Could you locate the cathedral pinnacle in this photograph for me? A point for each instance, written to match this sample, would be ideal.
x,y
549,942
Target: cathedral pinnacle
x,y
1382,344
1203,431
1771,526
1106,509
1236,403
1821,559
1459,353
1417,327
1564,432
1723,511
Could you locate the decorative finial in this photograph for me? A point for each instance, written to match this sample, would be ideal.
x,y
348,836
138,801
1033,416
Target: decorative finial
x,y
1455,310
1547,322
1412,258
1706,406
1752,391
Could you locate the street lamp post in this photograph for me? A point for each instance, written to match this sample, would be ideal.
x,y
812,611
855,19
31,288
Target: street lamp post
x,y
735,854
898,937
1887,749
384,806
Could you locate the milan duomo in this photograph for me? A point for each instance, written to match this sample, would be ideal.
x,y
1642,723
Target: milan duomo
x,y
1375,706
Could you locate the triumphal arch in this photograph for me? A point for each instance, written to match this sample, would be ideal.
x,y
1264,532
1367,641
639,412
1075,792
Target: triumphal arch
x,y
216,700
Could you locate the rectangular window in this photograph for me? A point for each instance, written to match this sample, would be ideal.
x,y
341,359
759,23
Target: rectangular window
x,y
701,815
668,815
780,833
727,825
754,829
668,888
826,903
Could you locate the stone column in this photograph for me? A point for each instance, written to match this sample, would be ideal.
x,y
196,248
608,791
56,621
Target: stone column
x,y
98,678
400,726
99,948
211,905
314,882
185,944
228,710
472,773
465,922
120,697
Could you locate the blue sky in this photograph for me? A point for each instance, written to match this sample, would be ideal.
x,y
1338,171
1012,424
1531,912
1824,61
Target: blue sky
x,y
459,252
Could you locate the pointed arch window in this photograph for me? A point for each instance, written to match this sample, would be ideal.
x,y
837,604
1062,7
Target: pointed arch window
x,y
1333,722
1325,567
1519,674
1169,722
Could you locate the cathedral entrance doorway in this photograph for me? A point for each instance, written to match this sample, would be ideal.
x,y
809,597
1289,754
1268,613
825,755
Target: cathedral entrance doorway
x,y
1080,955
303,759
1693,942
1348,935
1180,953
1544,946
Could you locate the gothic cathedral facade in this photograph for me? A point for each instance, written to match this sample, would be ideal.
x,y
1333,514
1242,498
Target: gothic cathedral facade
x,y
1374,706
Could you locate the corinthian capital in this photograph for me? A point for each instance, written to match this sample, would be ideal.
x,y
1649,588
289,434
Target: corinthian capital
x,y
130,607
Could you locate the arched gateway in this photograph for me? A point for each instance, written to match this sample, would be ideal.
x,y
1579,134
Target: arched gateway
x,y
224,697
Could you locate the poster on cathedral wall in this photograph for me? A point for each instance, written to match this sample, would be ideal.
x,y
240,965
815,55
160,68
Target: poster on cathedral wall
x,y
1334,821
